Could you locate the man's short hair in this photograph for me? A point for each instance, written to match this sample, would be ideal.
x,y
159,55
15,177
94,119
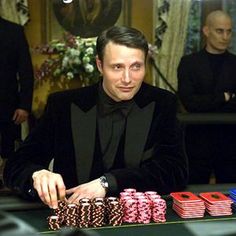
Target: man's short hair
x,y
127,36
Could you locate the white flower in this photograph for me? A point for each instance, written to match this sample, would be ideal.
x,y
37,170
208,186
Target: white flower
x,y
73,52
56,72
59,46
69,75
65,61
89,68
72,58
89,51
77,61
86,59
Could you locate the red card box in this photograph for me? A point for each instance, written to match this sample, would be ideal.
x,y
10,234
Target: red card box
x,y
215,197
184,197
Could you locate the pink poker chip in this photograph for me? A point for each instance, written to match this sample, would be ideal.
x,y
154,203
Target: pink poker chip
x,y
150,193
130,190
125,194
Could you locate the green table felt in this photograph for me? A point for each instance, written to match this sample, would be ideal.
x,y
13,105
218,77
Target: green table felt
x,y
36,215
174,224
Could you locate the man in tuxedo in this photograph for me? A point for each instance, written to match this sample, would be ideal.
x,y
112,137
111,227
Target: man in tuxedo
x,y
206,83
16,84
119,133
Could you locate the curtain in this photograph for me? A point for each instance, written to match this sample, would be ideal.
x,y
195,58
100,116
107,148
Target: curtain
x,y
15,10
230,7
171,20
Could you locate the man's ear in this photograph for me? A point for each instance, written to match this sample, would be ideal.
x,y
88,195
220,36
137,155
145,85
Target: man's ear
x,y
99,64
205,30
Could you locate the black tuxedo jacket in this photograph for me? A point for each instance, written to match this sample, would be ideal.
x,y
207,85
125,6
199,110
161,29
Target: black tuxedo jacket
x,y
16,71
67,132
199,91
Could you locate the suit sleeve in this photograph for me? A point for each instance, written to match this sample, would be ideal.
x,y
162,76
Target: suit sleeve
x,y
194,98
164,164
25,71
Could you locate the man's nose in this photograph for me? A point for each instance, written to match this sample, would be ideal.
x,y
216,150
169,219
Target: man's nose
x,y
226,36
126,76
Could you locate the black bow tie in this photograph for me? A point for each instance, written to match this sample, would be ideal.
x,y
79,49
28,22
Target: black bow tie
x,y
107,105
124,107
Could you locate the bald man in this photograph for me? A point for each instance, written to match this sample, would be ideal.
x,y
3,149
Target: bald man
x,y
207,83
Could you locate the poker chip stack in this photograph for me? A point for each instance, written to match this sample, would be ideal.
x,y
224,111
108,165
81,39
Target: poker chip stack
x,y
114,211
142,207
54,222
57,220
84,213
232,195
131,207
87,213
130,213
217,204
158,210
61,211
71,215
188,205
98,212
144,210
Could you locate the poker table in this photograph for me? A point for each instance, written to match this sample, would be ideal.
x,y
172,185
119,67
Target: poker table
x,y
207,118
35,214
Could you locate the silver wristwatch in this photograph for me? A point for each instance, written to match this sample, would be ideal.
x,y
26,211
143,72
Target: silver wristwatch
x,y
103,182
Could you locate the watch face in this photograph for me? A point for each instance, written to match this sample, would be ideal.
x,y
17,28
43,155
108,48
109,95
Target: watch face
x,y
103,182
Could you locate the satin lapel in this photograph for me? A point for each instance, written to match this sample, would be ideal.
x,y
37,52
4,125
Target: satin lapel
x,y
83,129
137,129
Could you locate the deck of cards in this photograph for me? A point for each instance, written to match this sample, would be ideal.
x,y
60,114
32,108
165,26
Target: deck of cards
x,y
188,205
217,204
232,195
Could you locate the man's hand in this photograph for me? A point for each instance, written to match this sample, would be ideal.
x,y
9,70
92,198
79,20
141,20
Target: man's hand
x,y
91,190
20,116
50,187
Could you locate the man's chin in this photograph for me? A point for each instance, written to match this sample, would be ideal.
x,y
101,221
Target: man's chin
x,y
126,97
222,48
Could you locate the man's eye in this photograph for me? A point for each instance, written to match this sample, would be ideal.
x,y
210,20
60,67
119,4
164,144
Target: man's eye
x,y
219,31
117,67
136,66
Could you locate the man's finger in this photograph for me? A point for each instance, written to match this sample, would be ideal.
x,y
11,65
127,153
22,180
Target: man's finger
x,y
45,193
70,190
61,190
53,196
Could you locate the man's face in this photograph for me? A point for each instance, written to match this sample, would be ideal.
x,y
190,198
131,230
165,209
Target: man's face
x,y
218,35
123,70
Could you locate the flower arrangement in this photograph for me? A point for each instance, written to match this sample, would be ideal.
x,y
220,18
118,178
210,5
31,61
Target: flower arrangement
x,y
72,58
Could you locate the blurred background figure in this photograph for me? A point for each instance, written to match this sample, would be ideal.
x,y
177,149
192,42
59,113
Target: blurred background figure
x,y
16,85
206,83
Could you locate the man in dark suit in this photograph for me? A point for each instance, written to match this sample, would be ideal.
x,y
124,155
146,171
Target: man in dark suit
x,y
206,83
16,84
120,133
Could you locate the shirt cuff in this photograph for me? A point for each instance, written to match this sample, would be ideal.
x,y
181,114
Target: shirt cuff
x,y
112,184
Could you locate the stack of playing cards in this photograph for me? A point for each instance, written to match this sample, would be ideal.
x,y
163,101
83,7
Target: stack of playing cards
x,y
232,195
217,204
188,205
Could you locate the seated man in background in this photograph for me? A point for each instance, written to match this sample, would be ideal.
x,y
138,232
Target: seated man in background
x,y
207,83
119,133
